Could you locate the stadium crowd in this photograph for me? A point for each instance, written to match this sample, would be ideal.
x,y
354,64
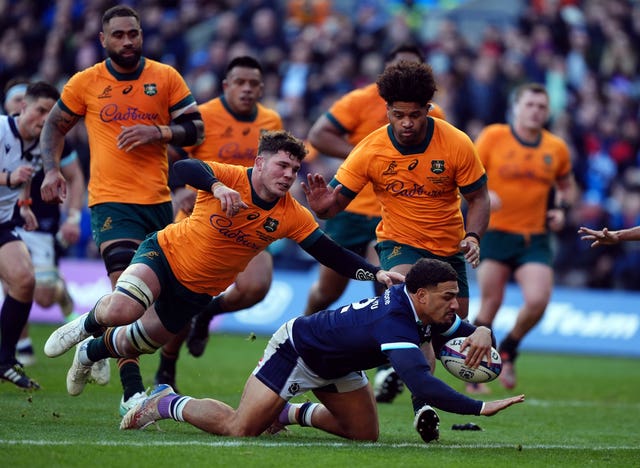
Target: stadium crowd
x,y
314,51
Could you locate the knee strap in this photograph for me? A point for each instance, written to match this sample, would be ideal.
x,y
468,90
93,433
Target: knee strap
x,y
118,255
139,339
133,287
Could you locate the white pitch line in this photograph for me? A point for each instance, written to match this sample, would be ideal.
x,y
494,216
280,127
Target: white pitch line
x,y
274,444
581,404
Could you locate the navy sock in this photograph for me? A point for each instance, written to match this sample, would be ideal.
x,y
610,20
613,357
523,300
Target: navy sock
x,y
130,377
508,348
13,317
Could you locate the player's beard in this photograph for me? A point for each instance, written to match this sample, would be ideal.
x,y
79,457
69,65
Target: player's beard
x,y
126,62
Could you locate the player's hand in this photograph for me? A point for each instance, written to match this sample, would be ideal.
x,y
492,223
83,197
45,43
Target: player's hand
x,y
136,135
471,249
69,233
389,278
556,219
492,407
54,187
21,175
184,199
230,200
479,347
597,238
30,221
320,196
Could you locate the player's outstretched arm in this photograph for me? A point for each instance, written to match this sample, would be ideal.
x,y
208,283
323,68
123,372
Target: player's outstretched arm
x,y
597,238
492,407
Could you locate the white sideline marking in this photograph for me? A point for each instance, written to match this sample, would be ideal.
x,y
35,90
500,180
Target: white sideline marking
x,y
580,404
274,444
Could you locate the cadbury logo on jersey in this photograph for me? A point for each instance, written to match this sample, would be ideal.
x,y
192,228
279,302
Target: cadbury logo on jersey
x,y
111,112
150,89
437,166
270,225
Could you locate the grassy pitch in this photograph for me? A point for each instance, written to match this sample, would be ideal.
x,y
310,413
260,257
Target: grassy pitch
x,y
579,411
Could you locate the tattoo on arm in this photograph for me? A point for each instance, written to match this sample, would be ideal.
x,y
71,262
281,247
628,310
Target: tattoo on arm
x,y
52,137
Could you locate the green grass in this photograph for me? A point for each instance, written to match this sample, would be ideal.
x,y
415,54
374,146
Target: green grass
x,y
580,411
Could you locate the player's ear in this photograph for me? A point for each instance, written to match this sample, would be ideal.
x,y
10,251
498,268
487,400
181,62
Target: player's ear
x,y
259,162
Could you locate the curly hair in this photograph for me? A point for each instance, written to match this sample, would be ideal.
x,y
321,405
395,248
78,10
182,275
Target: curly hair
x,y
280,140
407,82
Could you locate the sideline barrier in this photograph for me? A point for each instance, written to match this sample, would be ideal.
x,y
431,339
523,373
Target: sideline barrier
x,y
577,320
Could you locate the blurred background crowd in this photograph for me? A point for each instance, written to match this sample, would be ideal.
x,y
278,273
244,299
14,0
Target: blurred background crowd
x,y
314,51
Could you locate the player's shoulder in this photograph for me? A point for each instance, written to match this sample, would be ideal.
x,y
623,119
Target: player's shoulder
x,y
268,113
359,96
450,132
551,138
496,130
212,106
90,74
156,66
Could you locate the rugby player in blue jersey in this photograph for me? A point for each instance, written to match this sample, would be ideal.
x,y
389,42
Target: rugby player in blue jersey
x,y
327,352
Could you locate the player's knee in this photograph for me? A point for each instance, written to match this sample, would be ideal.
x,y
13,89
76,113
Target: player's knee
x,y
21,283
118,255
253,292
369,434
45,297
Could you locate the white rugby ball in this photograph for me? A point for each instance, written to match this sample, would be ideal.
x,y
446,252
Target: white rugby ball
x,y
453,360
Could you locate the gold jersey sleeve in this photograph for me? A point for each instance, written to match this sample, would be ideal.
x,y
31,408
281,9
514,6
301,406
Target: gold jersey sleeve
x,y
418,188
357,114
522,175
108,101
208,249
230,138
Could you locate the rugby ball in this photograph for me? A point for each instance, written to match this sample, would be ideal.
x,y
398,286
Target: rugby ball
x,y
453,360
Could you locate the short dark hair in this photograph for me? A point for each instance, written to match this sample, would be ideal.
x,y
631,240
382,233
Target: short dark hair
x,y
119,11
535,88
407,82
429,272
243,61
281,140
406,48
41,89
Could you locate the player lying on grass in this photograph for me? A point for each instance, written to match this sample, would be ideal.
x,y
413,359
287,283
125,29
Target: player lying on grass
x,y
175,272
327,352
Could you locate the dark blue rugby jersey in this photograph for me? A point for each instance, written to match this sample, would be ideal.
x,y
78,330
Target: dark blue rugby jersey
x,y
375,331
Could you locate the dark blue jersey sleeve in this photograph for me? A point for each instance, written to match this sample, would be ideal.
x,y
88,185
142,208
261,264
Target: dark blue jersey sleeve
x,y
413,369
342,260
195,173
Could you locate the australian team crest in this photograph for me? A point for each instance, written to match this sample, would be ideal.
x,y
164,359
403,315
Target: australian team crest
x,y
270,225
437,166
150,89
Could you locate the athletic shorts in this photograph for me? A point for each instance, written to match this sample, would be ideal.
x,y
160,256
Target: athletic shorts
x,y
393,254
352,231
176,305
8,233
41,246
516,249
110,221
283,370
